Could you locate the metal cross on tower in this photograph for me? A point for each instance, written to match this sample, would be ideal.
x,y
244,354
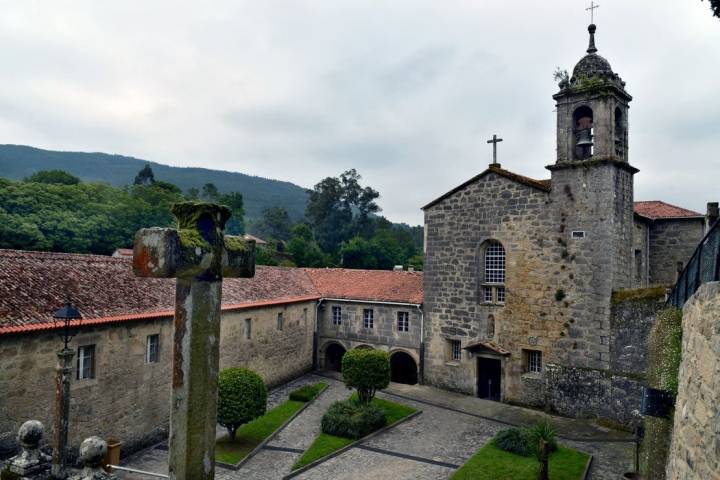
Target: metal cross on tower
x,y
592,8
495,141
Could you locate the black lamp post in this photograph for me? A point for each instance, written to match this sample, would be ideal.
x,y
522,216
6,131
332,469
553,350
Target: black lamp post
x,y
63,319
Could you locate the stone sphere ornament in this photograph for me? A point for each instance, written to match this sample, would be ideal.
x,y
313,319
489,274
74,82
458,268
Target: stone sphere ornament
x,y
91,456
30,433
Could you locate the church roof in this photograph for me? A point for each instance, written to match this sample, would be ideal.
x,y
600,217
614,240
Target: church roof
x,y
370,285
657,209
33,285
543,185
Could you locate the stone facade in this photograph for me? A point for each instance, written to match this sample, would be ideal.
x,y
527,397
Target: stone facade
x,y
385,333
695,448
129,398
672,242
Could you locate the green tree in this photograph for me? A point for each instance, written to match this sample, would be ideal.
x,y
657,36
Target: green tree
x,y
304,249
234,201
145,176
210,193
242,397
715,7
357,253
53,176
339,208
192,194
367,371
275,223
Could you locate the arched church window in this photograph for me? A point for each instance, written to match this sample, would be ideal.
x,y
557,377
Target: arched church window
x,y
490,326
493,273
619,133
583,129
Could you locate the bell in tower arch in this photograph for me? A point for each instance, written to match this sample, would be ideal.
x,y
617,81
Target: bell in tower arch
x,y
583,133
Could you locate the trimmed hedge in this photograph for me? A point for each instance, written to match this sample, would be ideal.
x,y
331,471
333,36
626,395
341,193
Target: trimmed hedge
x,y
242,397
351,419
307,392
367,371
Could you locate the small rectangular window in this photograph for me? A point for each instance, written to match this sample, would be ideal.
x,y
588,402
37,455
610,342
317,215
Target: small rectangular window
x,y
403,322
280,321
152,353
533,361
304,316
368,320
337,316
86,362
248,328
455,350
500,292
578,234
487,294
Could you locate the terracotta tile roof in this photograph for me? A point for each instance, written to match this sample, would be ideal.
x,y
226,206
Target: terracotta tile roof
x,y
543,185
33,285
372,285
657,209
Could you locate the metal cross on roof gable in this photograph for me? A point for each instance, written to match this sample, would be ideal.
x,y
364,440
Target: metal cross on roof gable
x,y
495,141
592,8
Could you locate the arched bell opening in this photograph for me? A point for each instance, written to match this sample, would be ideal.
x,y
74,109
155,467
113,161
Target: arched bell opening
x,y
584,133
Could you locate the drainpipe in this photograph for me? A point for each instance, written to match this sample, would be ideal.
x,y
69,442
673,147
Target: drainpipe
x,y
421,367
316,352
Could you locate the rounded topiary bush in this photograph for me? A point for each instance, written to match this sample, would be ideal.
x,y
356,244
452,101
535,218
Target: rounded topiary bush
x,y
367,371
351,419
242,397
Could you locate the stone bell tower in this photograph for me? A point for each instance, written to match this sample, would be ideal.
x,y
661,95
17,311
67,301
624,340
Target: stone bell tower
x,y
592,197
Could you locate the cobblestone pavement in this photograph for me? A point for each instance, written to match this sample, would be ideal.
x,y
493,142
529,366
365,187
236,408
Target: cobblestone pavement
x,y
430,446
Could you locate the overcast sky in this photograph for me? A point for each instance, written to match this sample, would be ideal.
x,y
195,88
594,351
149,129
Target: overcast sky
x,y
406,92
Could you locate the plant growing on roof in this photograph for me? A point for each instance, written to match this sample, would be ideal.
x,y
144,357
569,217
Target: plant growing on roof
x,y
242,397
367,371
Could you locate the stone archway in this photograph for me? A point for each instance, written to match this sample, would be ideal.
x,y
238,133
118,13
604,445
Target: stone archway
x,y
403,368
333,357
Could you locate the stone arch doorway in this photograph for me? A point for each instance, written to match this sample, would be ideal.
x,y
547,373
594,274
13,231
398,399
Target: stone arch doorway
x,y
333,357
403,368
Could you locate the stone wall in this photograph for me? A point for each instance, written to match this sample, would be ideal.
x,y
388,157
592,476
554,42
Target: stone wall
x,y
129,399
276,355
695,448
641,254
615,392
672,243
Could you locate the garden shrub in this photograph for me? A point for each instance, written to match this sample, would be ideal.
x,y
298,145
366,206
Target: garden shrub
x,y
367,371
519,441
307,392
242,397
351,419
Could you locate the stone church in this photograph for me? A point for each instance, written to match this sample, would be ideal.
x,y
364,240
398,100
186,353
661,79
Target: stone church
x,y
520,273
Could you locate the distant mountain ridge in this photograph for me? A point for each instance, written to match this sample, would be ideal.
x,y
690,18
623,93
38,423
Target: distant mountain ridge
x,y
20,161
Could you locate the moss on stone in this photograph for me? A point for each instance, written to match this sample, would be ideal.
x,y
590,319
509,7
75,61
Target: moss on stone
x,y
191,238
633,294
236,244
188,214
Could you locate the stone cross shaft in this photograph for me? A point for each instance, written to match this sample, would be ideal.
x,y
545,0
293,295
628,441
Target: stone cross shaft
x,y
495,140
198,255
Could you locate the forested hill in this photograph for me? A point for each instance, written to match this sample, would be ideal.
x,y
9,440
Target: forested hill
x,y
19,161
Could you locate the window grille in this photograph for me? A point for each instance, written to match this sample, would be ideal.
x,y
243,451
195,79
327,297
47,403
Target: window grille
x,y
86,362
403,322
368,320
152,352
534,361
456,352
495,263
500,294
487,294
337,316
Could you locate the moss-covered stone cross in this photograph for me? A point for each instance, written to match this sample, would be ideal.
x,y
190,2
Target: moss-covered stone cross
x,y
198,255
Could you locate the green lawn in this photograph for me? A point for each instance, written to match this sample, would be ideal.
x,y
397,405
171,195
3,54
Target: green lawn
x,y
491,463
325,444
252,434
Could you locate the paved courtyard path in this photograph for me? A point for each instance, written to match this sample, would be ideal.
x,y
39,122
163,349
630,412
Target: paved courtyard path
x,y
430,446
